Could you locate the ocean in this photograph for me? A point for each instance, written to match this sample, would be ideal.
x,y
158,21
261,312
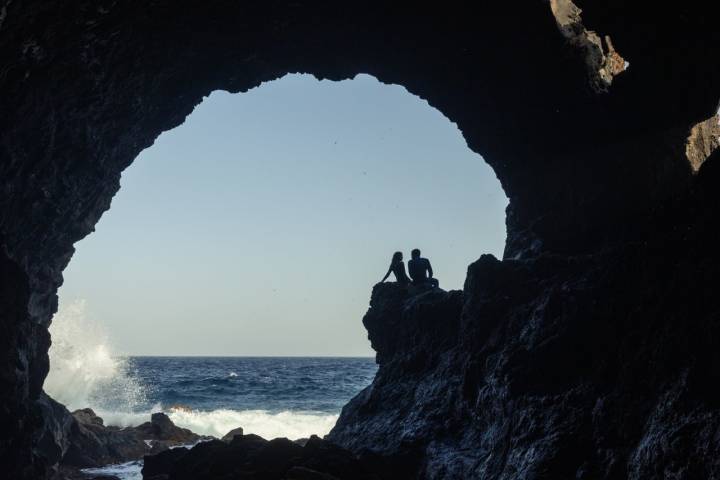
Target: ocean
x,y
292,397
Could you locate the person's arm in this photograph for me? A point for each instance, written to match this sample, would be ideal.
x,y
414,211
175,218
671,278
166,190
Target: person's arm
x,y
387,274
430,272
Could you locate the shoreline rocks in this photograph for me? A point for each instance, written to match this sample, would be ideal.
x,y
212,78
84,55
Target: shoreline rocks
x,y
92,444
250,456
163,433
164,449
228,437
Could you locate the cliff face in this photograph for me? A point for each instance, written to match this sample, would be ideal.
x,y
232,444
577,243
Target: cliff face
x,y
600,365
590,177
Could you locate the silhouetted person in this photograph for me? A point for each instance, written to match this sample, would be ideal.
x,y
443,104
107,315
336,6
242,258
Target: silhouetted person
x,y
421,271
397,266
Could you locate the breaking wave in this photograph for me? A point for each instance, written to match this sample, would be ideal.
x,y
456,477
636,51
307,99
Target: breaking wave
x,y
85,371
292,425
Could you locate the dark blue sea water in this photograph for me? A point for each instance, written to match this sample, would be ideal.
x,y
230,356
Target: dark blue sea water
x,y
273,384
291,397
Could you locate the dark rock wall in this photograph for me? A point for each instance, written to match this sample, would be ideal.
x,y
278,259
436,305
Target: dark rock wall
x,y
87,85
26,441
589,366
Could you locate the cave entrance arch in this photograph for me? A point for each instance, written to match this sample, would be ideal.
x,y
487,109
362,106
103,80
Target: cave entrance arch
x,y
84,97
260,225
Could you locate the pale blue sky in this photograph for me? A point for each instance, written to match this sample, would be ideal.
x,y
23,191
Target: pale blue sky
x,y
260,225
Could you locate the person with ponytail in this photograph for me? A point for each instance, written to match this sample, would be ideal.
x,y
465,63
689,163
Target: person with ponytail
x,y
397,266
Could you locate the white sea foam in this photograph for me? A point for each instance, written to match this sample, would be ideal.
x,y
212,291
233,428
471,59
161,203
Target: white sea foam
x,y
86,372
287,424
217,423
124,471
84,369
126,419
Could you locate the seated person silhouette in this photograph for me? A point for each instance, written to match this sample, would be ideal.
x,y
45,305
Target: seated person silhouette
x,y
421,271
397,266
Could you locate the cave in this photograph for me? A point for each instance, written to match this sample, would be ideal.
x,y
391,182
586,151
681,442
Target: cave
x,y
588,351
187,265
207,200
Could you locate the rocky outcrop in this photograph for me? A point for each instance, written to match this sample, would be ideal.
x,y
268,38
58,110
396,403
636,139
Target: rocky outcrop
x,y
250,456
92,444
704,139
231,434
603,62
562,366
597,182
410,401
163,433
87,442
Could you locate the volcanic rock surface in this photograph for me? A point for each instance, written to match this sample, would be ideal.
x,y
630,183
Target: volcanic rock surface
x,y
89,443
252,457
589,351
586,366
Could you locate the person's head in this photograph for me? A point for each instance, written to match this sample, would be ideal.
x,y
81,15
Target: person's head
x,y
397,257
415,253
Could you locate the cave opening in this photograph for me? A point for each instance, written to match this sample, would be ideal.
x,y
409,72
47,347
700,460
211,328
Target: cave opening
x,y
257,229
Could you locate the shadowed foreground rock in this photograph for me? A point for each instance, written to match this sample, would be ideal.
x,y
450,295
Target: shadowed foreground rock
x,y
92,444
252,457
89,443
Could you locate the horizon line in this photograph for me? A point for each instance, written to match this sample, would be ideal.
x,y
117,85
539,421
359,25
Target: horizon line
x,y
246,356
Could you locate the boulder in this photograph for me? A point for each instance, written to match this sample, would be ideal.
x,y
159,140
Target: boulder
x,y
231,434
250,456
158,466
301,441
161,428
88,417
92,444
